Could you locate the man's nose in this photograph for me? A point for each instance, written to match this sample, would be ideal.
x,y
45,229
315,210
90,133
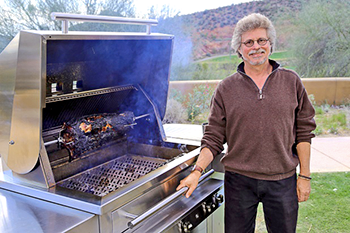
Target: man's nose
x,y
256,45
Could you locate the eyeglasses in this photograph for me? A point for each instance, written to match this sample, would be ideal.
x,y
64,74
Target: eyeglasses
x,y
260,41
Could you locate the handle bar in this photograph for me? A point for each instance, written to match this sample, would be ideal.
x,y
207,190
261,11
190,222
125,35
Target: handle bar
x,y
66,17
163,203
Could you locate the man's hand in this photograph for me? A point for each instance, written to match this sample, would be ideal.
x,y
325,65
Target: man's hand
x,y
191,181
303,185
303,189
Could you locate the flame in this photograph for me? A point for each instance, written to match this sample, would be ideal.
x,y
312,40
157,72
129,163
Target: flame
x,y
94,118
104,129
85,128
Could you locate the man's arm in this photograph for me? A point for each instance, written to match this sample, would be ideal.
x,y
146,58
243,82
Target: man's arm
x,y
191,181
303,185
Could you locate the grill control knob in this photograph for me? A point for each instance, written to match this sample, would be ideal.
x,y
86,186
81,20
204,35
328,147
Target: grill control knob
x,y
187,227
204,209
208,207
220,198
179,225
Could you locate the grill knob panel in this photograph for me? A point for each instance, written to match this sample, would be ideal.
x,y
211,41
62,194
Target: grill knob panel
x,y
200,212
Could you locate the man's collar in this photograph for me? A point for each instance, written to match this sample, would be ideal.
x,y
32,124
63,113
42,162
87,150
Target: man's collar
x,y
273,63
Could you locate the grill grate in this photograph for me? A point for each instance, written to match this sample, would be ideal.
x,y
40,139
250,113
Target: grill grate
x,y
110,176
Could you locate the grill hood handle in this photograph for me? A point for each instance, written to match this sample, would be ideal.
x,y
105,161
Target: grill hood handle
x,y
66,17
165,202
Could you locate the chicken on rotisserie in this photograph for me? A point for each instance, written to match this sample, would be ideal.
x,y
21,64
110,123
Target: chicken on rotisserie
x,y
92,131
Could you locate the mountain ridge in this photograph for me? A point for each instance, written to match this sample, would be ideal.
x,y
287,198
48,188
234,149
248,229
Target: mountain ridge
x,y
211,30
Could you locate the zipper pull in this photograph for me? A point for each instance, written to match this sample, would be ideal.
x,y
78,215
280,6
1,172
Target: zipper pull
x,y
260,94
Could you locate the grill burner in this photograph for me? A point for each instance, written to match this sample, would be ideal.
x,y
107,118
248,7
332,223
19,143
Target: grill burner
x,y
112,175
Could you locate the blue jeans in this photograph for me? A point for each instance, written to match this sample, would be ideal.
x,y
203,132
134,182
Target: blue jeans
x,y
242,197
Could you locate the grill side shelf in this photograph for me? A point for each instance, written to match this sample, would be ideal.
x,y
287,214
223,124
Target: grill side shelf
x,y
82,94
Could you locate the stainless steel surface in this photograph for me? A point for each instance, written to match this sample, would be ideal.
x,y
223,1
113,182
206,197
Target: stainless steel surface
x,y
83,94
65,17
96,204
176,133
26,113
163,203
65,25
20,213
156,113
23,80
112,175
192,134
167,219
44,162
8,67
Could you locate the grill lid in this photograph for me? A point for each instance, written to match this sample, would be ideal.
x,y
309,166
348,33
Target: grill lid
x,y
105,60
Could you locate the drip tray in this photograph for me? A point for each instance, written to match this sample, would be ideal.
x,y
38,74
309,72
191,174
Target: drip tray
x,y
110,176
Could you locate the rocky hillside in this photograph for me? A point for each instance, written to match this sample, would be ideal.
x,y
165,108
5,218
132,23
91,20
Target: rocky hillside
x,y
211,30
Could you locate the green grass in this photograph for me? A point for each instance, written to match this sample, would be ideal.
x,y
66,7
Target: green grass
x,y
330,121
223,59
233,58
219,67
282,57
327,210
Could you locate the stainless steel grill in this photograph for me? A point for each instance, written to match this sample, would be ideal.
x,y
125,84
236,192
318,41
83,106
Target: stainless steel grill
x,y
112,175
49,79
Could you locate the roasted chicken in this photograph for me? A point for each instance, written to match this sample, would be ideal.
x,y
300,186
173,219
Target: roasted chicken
x,y
92,131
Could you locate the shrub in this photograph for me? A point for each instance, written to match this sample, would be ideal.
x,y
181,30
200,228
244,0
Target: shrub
x,y
175,112
193,105
199,101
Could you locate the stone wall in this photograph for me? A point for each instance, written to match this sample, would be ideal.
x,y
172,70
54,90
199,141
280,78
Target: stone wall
x,y
325,90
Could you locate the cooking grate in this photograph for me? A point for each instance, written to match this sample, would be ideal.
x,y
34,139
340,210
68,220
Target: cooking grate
x,y
110,176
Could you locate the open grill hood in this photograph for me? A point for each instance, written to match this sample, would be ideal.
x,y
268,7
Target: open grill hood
x,y
48,78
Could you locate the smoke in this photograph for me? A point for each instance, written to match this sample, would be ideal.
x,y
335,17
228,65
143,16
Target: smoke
x,y
182,50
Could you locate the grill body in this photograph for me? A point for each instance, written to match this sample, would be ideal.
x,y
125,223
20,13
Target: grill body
x,y
49,78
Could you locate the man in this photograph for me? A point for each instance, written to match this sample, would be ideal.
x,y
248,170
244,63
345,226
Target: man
x,y
264,115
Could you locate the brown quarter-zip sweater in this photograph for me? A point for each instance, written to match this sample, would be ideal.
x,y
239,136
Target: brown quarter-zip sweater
x,y
261,127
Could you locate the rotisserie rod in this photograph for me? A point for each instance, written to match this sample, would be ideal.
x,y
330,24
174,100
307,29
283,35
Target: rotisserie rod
x,y
92,131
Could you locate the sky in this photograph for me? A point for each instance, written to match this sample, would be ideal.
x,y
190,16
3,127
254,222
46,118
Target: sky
x,y
183,6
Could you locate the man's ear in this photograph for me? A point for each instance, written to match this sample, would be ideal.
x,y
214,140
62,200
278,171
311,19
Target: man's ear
x,y
239,53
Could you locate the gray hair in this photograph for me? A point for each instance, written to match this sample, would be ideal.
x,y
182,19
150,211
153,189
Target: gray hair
x,y
251,22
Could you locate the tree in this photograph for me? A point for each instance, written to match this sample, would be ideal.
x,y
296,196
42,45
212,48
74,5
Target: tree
x,y
322,39
19,15
117,8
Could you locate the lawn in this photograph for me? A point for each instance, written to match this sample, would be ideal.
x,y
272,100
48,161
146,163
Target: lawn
x,y
219,67
327,210
281,55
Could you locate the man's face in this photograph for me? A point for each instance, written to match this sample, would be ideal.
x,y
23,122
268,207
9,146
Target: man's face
x,y
256,54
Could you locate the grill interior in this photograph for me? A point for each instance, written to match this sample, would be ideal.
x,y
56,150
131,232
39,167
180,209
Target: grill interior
x,y
112,175
87,77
